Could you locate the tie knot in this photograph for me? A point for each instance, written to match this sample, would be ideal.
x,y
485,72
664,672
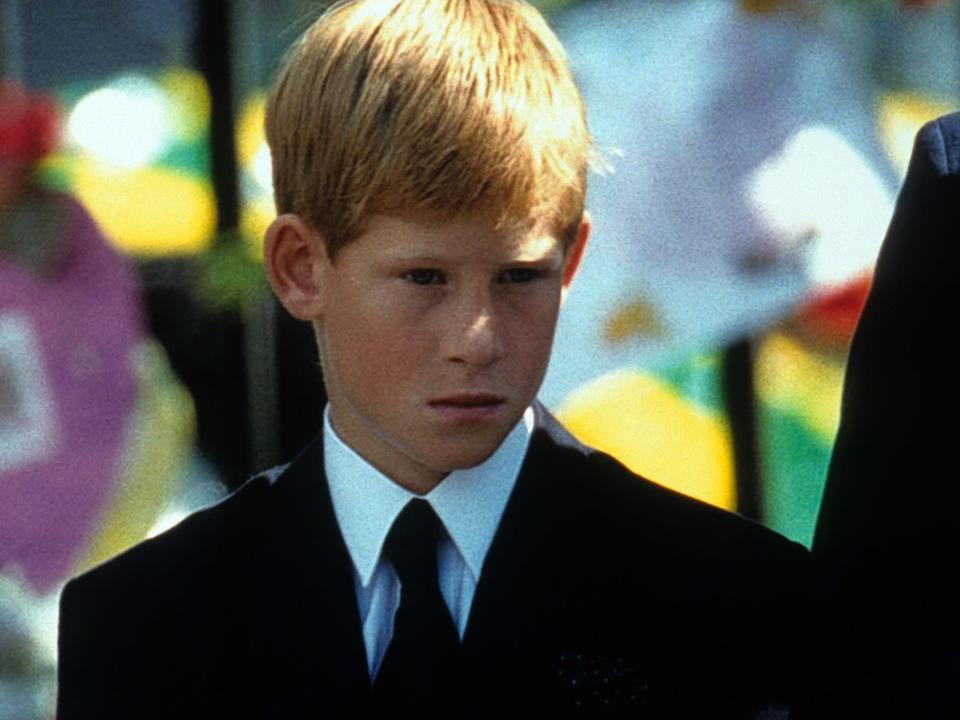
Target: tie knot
x,y
411,544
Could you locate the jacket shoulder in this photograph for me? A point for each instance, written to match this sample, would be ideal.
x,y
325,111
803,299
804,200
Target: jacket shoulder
x,y
685,522
193,546
936,150
600,485
125,624
625,510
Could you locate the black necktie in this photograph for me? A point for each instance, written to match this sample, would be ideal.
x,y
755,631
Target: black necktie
x,y
419,668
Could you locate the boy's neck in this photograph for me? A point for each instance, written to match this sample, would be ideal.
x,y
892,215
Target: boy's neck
x,y
404,472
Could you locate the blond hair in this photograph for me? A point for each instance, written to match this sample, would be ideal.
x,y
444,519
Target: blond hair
x,y
428,106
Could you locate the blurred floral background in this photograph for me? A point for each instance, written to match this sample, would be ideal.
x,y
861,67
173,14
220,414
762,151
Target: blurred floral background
x,y
749,155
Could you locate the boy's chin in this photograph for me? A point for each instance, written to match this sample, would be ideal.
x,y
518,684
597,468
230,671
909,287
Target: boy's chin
x,y
466,457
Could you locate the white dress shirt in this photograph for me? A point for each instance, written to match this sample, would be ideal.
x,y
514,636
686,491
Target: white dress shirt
x,y
469,502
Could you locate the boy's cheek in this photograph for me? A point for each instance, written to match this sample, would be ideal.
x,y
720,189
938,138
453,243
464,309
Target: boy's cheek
x,y
379,352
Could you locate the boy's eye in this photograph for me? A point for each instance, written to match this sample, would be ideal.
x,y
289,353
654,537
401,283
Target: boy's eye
x,y
424,276
518,275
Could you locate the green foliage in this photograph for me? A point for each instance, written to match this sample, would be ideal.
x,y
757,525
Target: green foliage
x,y
229,274
795,462
698,378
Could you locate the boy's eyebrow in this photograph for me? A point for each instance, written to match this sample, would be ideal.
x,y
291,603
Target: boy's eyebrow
x,y
547,256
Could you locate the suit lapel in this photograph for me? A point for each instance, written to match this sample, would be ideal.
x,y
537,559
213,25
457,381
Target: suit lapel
x,y
547,631
312,647
520,619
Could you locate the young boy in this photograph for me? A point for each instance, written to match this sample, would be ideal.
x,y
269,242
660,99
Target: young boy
x,y
444,546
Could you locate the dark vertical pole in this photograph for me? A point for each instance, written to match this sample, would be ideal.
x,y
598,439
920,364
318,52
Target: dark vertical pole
x,y
213,59
260,324
740,395
216,55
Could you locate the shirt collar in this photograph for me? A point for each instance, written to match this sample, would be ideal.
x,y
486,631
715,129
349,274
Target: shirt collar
x,y
470,502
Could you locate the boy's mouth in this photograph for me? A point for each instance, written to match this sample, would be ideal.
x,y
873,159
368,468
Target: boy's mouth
x,y
467,406
469,400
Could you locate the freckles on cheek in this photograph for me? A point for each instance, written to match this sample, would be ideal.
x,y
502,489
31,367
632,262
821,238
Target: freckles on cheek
x,y
394,353
534,324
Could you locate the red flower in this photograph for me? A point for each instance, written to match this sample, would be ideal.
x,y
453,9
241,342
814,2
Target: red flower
x,y
28,124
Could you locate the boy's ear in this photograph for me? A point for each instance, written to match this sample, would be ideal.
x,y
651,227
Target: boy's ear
x,y
294,256
574,253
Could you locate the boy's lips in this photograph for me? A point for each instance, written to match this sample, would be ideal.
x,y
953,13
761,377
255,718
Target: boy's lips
x,y
468,406
471,399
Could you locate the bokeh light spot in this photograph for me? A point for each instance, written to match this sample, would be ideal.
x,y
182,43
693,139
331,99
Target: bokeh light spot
x,y
148,211
656,433
127,124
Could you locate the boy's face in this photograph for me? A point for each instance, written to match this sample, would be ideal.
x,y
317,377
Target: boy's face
x,y
435,337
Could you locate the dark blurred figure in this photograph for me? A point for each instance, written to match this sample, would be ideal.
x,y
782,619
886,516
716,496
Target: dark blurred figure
x,y
888,534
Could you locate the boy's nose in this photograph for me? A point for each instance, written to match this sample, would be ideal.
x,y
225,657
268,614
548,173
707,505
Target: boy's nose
x,y
475,337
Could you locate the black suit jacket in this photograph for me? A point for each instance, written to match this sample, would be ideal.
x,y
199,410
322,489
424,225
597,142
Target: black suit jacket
x,y
601,593
888,534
